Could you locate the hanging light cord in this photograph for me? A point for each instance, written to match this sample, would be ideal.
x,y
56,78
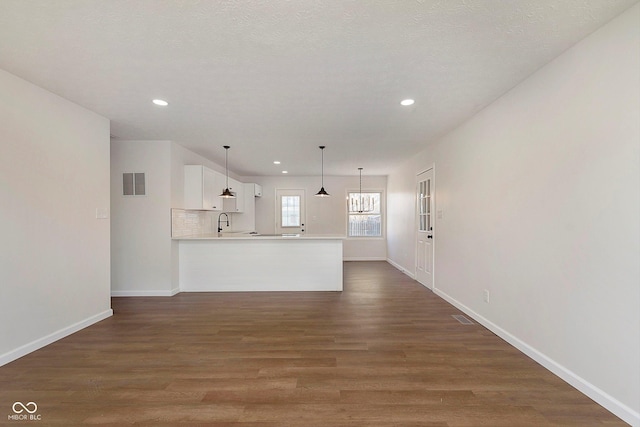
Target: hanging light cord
x,y
322,180
361,208
226,167
322,192
226,193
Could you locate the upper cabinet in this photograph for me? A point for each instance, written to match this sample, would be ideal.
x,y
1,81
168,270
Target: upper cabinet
x,y
237,204
257,190
202,188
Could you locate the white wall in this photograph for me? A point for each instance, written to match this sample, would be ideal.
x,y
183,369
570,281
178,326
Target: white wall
x,y
54,256
245,221
540,196
324,215
144,258
141,225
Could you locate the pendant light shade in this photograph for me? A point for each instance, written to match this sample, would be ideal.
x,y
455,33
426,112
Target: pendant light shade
x,y
226,193
322,192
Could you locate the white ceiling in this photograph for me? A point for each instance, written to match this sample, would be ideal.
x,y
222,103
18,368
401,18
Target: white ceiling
x,y
275,79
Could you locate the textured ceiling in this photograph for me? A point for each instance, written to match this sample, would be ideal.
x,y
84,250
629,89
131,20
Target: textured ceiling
x,y
274,79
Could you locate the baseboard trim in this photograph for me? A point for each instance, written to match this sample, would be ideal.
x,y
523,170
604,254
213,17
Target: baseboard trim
x,y
616,407
364,259
155,293
402,269
53,337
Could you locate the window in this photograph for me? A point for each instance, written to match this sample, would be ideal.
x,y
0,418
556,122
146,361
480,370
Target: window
x,y
365,214
424,206
290,211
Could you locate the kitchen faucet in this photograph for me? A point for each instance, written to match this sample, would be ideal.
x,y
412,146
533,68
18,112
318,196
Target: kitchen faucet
x,y
225,214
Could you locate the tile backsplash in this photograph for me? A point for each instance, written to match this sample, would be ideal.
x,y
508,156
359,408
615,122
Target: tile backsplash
x,y
191,222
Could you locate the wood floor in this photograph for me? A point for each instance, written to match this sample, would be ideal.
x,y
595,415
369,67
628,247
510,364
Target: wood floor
x,y
385,352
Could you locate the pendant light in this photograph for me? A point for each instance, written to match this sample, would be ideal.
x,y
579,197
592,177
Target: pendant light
x,y
358,205
322,192
227,194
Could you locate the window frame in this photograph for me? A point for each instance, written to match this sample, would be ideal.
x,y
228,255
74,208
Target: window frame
x,y
383,213
299,206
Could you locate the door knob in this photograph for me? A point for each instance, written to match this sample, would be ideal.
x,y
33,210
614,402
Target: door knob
x,y
429,237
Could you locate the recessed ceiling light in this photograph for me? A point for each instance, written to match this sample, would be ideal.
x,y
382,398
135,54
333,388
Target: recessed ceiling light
x,y
406,102
161,102
275,162
285,171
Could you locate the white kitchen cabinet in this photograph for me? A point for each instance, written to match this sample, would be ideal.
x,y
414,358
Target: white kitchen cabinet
x,y
256,189
202,188
237,204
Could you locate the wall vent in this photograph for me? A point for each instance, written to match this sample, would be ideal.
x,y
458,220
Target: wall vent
x,y
462,319
133,184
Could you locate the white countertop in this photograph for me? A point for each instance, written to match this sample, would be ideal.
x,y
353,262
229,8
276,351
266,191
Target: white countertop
x,y
246,236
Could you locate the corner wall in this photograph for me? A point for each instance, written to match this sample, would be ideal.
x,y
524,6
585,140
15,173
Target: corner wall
x,y
54,256
540,200
141,225
144,258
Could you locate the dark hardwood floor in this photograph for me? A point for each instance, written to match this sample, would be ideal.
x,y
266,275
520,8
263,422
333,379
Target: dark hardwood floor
x,y
385,352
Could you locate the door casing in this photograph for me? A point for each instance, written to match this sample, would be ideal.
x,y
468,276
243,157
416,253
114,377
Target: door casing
x,y
425,230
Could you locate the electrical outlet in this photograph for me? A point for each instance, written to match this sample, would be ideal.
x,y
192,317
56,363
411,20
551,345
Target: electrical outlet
x,y
486,295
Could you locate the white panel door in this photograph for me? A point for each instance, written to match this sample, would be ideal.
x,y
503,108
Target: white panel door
x,y
290,211
425,206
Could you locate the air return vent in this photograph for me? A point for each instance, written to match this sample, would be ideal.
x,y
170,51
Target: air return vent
x,y
133,184
462,319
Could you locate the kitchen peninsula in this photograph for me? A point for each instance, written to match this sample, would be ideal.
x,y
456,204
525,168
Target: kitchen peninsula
x,y
237,262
